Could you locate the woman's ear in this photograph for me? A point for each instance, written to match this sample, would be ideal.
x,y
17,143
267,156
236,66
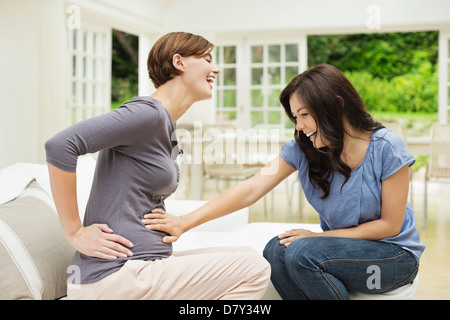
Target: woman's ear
x,y
177,61
341,101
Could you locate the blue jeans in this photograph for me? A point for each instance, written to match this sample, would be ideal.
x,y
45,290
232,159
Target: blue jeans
x,y
327,268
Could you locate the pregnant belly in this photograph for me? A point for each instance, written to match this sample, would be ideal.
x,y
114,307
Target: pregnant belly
x,y
147,244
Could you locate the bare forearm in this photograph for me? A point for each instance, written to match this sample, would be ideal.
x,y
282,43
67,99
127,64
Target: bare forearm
x,y
242,195
63,186
372,230
233,199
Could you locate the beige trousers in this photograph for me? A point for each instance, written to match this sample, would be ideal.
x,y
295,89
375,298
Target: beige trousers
x,y
202,274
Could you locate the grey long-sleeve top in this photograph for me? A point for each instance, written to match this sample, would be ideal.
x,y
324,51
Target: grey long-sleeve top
x,y
136,170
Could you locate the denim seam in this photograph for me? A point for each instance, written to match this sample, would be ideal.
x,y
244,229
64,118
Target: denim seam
x,y
320,265
408,280
336,290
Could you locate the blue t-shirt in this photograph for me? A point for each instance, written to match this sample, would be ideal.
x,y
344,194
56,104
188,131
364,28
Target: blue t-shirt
x,y
359,200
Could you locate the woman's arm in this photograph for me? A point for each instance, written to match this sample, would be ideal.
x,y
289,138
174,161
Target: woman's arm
x,y
394,194
237,197
118,129
96,240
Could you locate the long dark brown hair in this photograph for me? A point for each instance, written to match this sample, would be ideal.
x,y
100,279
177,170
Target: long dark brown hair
x,y
329,97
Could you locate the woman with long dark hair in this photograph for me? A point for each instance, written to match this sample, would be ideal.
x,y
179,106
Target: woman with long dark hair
x,y
355,173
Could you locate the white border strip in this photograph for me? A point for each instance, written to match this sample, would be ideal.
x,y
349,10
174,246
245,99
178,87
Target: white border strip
x,y
22,259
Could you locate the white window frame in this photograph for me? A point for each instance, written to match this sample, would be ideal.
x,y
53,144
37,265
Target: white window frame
x,y
266,86
244,86
444,76
221,87
90,50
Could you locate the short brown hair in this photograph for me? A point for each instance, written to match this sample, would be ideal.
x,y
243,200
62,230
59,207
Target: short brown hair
x,y
159,62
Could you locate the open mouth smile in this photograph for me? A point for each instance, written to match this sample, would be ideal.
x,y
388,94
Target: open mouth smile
x,y
210,80
311,135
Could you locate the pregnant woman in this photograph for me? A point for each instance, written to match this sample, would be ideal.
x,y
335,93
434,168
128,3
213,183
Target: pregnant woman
x,y
117,256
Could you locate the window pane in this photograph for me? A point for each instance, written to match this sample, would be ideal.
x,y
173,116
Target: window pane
x,y
74,65
274,117
219,79
257,75
94,69
274,75
230,115
257,54
229,54
74,92
217,52
257,98
449,72
84,41
84,93
74,39
84,67
257,118
274,98
229,98
274,53
291,73
448,92
94,94
291,53
218,98
229,77
94,44
288,124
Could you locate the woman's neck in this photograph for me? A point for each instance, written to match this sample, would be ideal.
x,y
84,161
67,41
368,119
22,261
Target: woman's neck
x,y
174,98
356,143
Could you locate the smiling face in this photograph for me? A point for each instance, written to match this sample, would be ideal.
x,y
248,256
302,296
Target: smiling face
x,y
305,122
199,74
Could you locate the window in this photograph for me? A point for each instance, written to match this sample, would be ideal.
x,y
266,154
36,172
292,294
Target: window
x,y
447,114
227,84
249,86
90,55
272,67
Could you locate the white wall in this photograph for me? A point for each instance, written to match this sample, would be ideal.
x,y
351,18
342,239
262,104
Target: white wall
x,y
34,64
32,77
18,82
320,16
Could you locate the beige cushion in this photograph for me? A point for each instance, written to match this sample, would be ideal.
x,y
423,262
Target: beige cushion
x,y
34,254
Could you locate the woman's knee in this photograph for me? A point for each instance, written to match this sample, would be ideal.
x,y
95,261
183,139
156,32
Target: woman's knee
x,y
273,250
304,252
296,251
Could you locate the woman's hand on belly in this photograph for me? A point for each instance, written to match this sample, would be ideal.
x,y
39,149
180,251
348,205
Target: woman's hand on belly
x,y
99,241
160,220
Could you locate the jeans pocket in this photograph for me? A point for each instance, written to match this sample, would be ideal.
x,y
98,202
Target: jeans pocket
x,y
410,268
408,280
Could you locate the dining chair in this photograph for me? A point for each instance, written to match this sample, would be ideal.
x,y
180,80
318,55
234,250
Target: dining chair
x,y
439,160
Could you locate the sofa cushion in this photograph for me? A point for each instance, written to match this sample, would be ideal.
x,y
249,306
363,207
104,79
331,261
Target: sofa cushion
x,y
34,254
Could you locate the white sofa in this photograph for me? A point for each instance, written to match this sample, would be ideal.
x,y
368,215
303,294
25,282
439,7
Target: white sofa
x,y
39,264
